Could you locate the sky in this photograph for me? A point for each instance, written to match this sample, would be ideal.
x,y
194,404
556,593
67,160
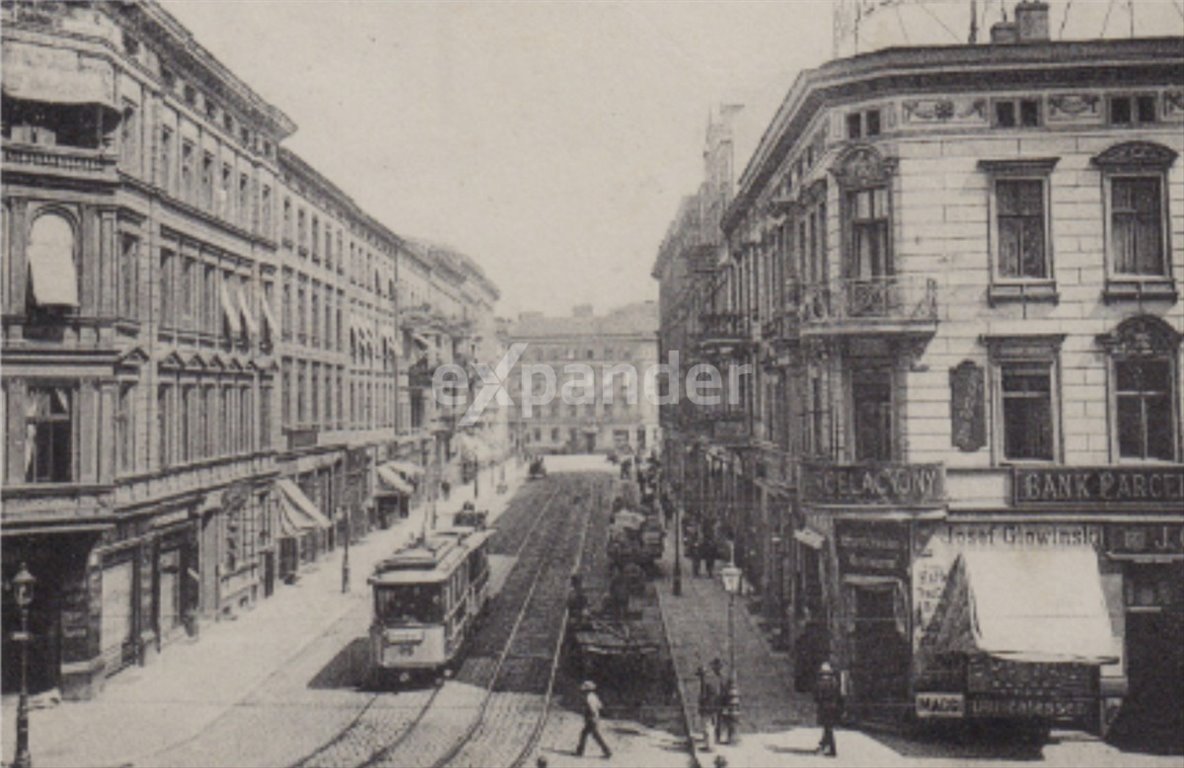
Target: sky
x,y
549,141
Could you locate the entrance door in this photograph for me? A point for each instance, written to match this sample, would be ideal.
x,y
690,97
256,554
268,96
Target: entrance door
x,y
880,652
268,573
169,616
116,638
1155,705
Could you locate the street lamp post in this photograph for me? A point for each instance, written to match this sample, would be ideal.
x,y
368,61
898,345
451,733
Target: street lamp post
x,y
730,575
345,554
677,586
22,587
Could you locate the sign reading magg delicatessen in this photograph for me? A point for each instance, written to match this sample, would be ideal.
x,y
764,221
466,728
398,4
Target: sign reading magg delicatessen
x,y
874,484
1110,485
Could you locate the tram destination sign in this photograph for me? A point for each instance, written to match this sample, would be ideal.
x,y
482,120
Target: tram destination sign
x,y
1106,485
881,484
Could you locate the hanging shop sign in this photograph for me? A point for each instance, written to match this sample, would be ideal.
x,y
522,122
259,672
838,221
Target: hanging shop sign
x,y
872,549
874,484
1077,485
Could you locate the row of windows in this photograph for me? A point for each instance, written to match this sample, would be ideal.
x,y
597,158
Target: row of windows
x,y
319,395
1027,411
555,409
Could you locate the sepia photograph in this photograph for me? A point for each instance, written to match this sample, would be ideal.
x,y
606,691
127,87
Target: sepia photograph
x,y
549,383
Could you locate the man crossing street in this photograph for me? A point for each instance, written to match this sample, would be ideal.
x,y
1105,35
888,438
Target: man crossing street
x,y
592,707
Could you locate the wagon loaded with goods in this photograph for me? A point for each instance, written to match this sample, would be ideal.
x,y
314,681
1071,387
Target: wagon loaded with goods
x,y
615,648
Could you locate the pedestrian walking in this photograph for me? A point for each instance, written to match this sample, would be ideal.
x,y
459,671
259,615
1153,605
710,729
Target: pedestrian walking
x,y
592,707
696,550
729,712
828,700
708,549
445,488
708,704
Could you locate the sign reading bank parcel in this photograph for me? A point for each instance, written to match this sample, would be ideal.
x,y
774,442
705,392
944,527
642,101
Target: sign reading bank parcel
x,y
1115,485
905,485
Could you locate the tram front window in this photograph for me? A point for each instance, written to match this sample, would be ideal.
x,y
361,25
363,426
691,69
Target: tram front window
x,y
409,603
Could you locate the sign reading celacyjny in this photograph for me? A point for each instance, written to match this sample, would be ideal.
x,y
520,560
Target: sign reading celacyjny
x,y
882,484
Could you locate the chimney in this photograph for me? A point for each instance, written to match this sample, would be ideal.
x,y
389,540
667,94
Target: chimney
x,y
1031,21
1004,33
581,310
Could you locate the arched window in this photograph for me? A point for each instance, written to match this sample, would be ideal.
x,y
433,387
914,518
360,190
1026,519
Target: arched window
x,y
53,273
1144,389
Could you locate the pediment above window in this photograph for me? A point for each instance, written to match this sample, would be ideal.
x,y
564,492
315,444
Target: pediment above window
x,y
1142,336
1136,154
862,165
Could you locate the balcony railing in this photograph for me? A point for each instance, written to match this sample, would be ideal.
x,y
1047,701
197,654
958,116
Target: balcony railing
x,y
724,332
895,302
72,161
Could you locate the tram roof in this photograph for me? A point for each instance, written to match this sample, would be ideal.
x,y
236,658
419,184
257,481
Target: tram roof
x,y
431,560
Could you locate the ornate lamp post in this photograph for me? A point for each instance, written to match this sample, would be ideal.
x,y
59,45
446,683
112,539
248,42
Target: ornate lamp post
x,y
22,588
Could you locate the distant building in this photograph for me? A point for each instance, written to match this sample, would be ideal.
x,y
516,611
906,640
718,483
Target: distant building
x,y
600,365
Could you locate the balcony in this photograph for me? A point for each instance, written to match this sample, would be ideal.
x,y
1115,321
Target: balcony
x,y
895,304
66,162
724,333
728,426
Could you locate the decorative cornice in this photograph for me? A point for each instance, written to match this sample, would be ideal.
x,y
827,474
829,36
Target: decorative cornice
x,y
1136,154
1142,336
862,165
1028,166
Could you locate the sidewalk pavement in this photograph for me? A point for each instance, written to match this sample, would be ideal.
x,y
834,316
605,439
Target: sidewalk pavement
x,y
144,710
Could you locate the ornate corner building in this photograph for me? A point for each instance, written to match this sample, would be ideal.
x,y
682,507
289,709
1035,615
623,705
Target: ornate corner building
x,y
209,348
948,283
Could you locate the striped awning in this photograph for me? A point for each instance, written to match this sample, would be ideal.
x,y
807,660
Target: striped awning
x,y
297,510
392,481
230,311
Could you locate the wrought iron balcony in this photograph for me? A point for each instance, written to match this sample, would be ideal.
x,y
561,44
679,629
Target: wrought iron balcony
x,y
882,305
723,333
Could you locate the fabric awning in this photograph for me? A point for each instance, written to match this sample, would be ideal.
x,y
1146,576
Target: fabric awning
x,y
1027,606
57,76
393,481
51,263
230,311
810,537
273,327
421,340
306,513
406,468
248,317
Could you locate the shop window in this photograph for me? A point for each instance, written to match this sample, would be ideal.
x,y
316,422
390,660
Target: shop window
x,y
1016,113
49,434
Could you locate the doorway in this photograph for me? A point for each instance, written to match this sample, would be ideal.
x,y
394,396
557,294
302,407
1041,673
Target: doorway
x,y
879,646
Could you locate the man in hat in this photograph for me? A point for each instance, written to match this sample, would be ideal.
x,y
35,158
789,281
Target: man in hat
x,y
828,699
592,707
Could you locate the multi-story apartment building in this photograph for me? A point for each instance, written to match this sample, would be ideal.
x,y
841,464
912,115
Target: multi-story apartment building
x,y
600,366
952,277
202,350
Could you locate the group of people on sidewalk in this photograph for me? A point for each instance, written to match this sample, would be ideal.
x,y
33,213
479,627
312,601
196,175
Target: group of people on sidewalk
x,y
719,706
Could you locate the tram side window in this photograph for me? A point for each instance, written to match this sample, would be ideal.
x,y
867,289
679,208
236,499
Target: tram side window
x,y
477,566
409,602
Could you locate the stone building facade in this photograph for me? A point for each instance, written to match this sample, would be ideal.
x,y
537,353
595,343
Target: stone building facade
x,y
203,354
600,365
951,278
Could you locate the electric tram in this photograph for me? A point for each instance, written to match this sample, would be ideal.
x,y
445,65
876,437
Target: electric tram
x,y
427,600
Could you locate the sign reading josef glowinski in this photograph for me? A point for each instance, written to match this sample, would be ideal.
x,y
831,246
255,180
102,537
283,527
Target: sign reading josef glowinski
x,y
1121,485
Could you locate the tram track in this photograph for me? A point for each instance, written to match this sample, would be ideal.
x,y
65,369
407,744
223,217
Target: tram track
x,y
373,719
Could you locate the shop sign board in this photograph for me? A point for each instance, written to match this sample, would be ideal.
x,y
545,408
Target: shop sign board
x,y
935,705
1108,485
1030,706
1145,539
874,549
879,484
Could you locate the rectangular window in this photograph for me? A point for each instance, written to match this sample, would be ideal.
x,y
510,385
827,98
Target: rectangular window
x,y
166,288
244,184
166,158
164,425
870,255
286,393
871,395
225,200
187,158
265,417
207,181
1146,424
1020,228
125,430
315,394
265,211
49,434
1136,225
854,125
1026,390
286,315
129,138
872,122
1016,113
301,400
129,270
1132,110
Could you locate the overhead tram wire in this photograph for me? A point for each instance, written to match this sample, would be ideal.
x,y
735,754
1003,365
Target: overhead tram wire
x,y
1106,21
